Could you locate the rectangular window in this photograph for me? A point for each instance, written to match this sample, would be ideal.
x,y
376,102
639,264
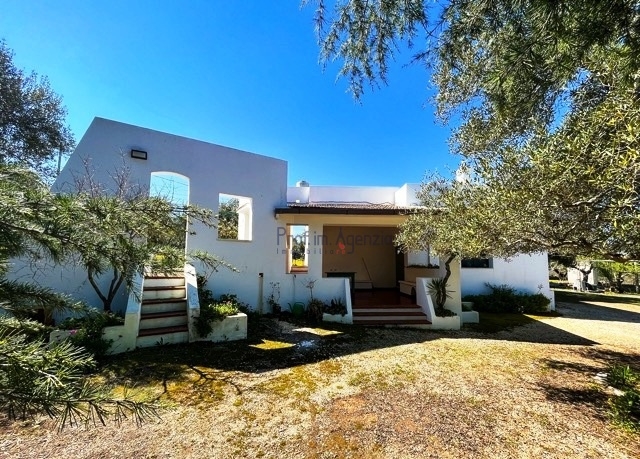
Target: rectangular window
x,y
297,249
477,263
234,217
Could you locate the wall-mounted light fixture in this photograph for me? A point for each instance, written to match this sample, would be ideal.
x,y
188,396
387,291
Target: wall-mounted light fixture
x,y
138,154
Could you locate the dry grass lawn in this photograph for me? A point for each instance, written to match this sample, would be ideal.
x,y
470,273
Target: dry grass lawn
x,y
345,392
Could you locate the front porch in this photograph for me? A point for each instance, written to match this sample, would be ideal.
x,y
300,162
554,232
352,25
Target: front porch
x,y
357,244
386,307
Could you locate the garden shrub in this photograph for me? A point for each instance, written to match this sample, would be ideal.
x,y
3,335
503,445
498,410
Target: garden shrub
x,y
336,306
315,309
625,408
214,312
504,298
88,331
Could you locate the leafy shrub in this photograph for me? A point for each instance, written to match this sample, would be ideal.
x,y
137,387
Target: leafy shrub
x,y
622,377
88,331
504,298
315,309
205,296
214,312
442,312
337,306
625,408
438,291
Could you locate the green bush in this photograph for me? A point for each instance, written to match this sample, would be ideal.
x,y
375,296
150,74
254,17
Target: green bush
x,y
88,331
315,309
625,408
504,298
336,306
622,377
214,312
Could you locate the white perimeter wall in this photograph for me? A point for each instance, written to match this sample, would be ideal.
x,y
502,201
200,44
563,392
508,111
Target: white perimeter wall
x,y
523,272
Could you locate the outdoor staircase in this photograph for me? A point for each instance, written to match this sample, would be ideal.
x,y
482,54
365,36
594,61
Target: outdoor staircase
x,y
406,315
163,315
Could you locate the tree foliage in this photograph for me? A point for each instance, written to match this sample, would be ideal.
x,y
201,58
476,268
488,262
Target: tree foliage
x,y
228,219
119,232
36,377
546,97
32,119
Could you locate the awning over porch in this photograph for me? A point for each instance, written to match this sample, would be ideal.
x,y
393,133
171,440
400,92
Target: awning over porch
x,y
345,208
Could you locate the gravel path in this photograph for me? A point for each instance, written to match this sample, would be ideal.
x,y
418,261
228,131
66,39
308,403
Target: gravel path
x,y
377,393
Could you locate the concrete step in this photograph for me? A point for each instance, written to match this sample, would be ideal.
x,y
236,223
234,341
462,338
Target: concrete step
x,y
171,335
364,305
388,312
391,320
164,281
160,293
156,306
163,320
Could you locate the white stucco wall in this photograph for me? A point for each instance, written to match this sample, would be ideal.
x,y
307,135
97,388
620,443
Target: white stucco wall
x,y
407,195
370,194
526,273
211,169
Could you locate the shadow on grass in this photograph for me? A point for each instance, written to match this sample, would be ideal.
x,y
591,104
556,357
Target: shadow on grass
x,y
585,298
571,296
593,396
511,327
599,312
277,345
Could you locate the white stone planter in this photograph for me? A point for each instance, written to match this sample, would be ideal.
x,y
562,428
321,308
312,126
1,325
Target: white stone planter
x,y
445,323
470,317
231,328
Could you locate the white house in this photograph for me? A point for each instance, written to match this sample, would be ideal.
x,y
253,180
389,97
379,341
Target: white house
x,y
348,232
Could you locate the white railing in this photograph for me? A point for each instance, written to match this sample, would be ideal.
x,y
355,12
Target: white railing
x,y
193,302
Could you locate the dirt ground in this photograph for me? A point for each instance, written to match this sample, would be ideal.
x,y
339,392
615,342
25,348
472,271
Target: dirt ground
x,y
348,392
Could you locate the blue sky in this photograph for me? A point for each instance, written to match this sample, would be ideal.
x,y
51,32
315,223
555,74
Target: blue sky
x,y
244,74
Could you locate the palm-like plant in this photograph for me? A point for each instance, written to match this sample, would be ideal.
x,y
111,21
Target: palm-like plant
x,y
438,290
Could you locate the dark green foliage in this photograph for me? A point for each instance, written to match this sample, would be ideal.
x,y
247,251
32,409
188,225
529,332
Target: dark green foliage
x,y
504,298
32,119
336,307
315,309
228,219
40,378
444,312
88,331
205,296
438,291
546,104
226,305
625,408
623,377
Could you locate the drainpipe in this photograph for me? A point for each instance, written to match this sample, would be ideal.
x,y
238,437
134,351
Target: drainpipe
x,y
260,292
